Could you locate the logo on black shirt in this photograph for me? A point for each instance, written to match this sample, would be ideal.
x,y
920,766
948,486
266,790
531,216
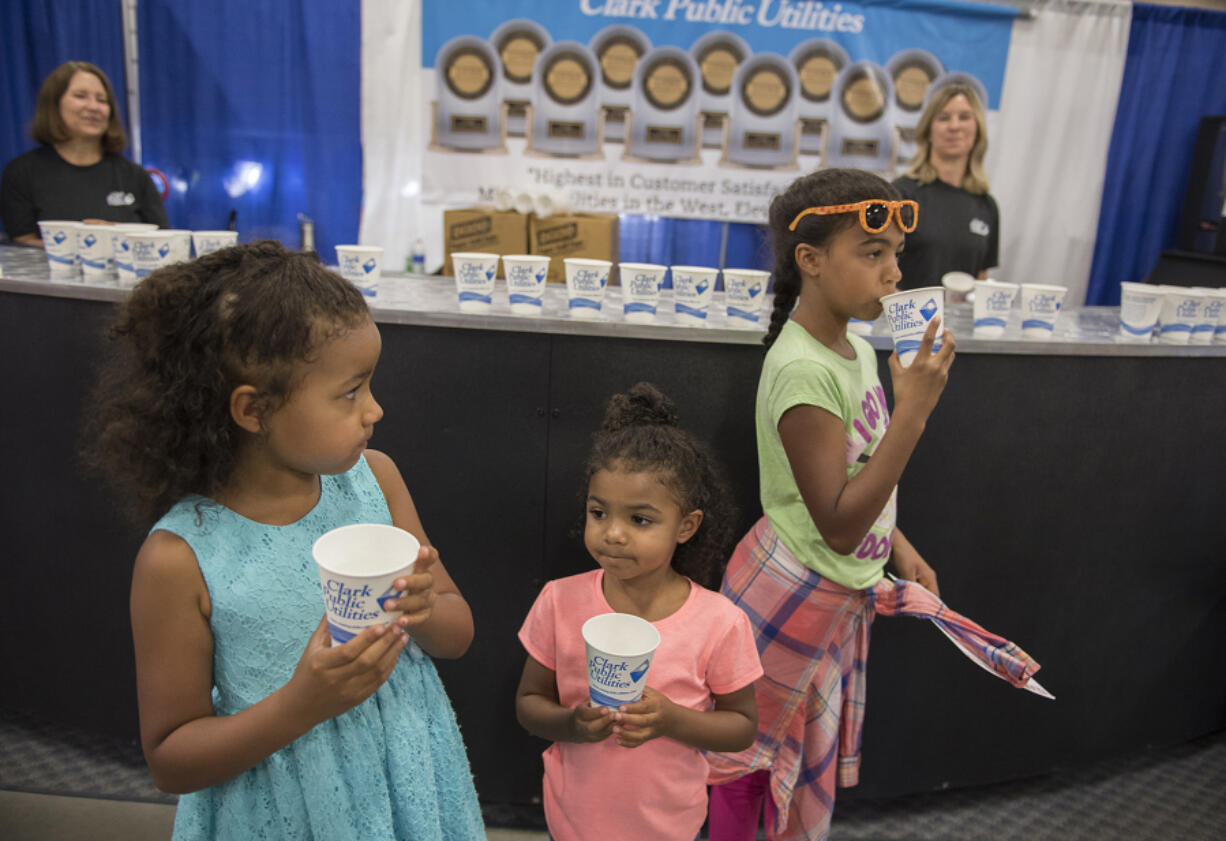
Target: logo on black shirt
x,y
978,226
119,198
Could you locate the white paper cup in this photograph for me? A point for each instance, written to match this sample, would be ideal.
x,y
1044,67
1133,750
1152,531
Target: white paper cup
x,y
94,252
523,202
1140,305
1180,309
908,314
993,301
150,251
957,285
619,651
361,265
640,290
744,292
121,249
859,326
526,275
693,288
474,279
586,281
60,243
1219,332
180,245
1206,317
209,241
504,201
551,204
357,565
1041,306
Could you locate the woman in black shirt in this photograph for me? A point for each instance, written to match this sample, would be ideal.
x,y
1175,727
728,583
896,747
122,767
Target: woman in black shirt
x,y
77,172
959,226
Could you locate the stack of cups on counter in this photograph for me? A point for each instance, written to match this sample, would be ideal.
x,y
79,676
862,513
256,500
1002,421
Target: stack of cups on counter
x,y
1185,315
588,279
100,254
1040,306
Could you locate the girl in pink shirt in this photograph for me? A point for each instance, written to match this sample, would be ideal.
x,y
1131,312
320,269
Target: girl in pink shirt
x,y
659,524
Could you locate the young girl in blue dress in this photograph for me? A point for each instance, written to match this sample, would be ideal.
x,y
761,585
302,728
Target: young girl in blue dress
x,y
238,412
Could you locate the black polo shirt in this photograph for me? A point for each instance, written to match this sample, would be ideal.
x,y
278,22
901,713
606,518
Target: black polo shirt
x,y
957,231
41,185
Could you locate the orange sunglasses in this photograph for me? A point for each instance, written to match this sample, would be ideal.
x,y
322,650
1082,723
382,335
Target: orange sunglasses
x,y
875,214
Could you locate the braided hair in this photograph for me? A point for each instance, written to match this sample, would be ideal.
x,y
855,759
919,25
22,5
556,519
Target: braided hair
x,y
817,189
640,432
183,340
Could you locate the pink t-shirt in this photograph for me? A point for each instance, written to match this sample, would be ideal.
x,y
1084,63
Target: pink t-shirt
x,y
657,791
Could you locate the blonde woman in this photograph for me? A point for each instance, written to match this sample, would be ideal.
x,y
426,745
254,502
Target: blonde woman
x,y
77,171
959,229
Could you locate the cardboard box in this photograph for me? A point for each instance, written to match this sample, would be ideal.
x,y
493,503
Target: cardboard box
x,y
484,230
592,235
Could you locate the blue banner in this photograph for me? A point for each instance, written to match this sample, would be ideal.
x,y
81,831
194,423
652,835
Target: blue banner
x,y
967,37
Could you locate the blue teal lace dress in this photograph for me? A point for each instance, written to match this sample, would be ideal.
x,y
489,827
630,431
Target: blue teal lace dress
x,y
393,767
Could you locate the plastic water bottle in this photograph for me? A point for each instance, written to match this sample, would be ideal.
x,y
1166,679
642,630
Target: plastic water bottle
x,y
417,258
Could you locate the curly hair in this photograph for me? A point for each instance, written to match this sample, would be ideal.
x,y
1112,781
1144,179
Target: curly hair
x,y
817,189
186,337
640,432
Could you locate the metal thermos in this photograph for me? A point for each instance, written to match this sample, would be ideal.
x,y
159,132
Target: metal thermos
x,y
306,233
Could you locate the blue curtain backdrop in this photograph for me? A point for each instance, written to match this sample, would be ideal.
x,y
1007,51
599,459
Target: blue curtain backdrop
x,y
1175,74
40,35
692,242
254,107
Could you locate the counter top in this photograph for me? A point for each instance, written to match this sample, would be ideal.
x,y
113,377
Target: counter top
x,y
431,301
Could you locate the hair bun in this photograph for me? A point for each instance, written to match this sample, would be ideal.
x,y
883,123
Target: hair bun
x,y
642,405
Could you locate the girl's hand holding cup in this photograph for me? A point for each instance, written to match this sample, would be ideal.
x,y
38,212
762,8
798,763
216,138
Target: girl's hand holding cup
x,y
330,679
919,385
644,720
417,601
591,724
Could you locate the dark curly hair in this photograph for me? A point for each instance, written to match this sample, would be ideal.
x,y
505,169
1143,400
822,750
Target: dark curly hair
x,y
184,339
817,189
640,432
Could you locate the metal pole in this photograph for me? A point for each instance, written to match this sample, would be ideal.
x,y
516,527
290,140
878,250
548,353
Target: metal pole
x,y
131,60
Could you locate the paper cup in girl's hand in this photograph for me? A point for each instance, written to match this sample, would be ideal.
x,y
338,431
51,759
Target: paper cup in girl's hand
x,y
526,274
1041,306
361,265
993,301
474,280
357,567
693,287
909,314
744,292
586,281
619,651
641,284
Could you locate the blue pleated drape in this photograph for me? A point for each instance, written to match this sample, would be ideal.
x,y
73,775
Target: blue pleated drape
x,y
1175,74
254,107
692,242
40,35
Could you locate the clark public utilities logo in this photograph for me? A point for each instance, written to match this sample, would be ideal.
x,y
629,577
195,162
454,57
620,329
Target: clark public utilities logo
x,y
782,14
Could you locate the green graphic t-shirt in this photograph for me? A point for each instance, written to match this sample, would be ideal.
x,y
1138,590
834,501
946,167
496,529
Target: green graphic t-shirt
x,y
801,371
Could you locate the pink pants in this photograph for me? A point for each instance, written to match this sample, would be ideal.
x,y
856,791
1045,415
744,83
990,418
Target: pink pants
x,y
736,807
